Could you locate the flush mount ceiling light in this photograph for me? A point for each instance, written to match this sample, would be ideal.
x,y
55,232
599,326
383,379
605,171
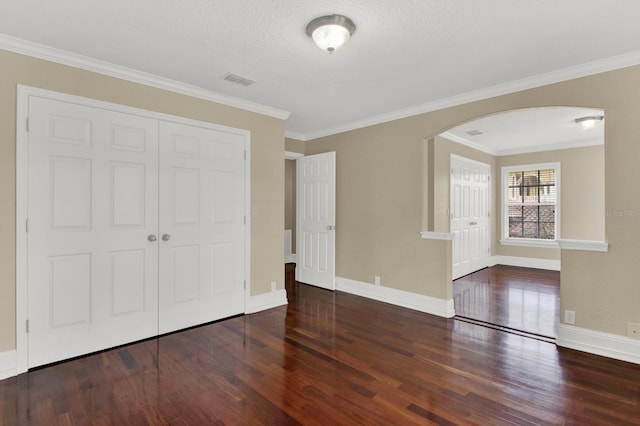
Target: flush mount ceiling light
x,y
330,32
589,122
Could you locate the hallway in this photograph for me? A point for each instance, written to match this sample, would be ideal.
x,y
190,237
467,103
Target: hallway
x,y
511,297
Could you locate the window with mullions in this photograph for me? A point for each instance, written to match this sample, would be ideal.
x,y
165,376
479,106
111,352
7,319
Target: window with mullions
x,y
531,202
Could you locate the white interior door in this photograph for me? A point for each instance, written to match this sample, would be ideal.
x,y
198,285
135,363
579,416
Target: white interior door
x,y
316,219
92,203
469,215
201,225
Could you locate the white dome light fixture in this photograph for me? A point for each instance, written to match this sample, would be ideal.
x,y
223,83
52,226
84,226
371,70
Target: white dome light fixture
x,y
589,122
330,32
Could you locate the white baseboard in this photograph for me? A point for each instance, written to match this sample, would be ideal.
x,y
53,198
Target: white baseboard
x,y
7,364
265,301
418,302
525,262
599,343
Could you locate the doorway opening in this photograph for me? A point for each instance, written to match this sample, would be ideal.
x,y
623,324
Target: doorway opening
x,y
523,300
290,223
529,216
314,192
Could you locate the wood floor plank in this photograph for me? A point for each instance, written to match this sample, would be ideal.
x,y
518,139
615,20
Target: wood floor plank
x,y
329,358
524,299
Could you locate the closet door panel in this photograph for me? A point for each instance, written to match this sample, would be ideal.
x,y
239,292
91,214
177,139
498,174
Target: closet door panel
x,y
92,202
202,221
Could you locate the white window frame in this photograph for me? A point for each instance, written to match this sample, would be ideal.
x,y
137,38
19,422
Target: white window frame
x,y
528,242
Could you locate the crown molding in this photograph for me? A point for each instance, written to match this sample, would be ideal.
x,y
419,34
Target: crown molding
x,y
570,73
466,142
554,147
524,150
51,54
295,135
28,48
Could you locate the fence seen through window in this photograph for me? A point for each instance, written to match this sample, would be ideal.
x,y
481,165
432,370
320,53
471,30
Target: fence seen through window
x,y
531,204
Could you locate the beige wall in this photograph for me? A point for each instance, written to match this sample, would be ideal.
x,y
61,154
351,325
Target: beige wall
x,y
379,209
267,173
294,145
380,204
290,200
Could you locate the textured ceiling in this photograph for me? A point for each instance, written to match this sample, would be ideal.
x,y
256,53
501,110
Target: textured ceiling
x,y
404,53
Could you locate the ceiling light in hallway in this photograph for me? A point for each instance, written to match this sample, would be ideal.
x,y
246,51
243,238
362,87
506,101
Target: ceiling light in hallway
x,y
589,122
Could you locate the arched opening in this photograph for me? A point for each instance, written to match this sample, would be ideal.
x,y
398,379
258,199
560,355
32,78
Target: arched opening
x,y
545,188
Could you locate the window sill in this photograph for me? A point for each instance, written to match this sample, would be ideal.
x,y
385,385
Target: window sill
x,y
525,242
584,245
429,235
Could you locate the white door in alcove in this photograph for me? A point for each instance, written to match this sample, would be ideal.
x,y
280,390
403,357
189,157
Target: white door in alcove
x,y
316,220
469,213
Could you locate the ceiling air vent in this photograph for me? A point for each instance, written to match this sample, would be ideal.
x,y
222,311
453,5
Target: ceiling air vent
x,y
475,132
237,79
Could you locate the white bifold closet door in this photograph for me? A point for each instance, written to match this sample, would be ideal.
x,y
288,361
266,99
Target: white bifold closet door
x,y
135,228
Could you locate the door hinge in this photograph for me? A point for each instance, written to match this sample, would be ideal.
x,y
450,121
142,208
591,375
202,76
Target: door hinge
x,y
27,326
245,154
27,124
245,220
26,225
245,284
489,250
452,171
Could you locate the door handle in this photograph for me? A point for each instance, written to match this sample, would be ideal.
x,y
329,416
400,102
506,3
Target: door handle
x,y
152,238
166,237
331,228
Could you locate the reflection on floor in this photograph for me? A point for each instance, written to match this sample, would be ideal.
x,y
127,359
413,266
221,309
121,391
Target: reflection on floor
x,y
329,358
523,299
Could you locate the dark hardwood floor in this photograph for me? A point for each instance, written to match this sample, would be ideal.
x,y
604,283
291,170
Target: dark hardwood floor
x,y
329,358
523,299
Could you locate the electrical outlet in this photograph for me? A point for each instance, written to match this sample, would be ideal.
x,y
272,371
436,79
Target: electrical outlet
x,y
633,330
273,286
569,317
376,280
